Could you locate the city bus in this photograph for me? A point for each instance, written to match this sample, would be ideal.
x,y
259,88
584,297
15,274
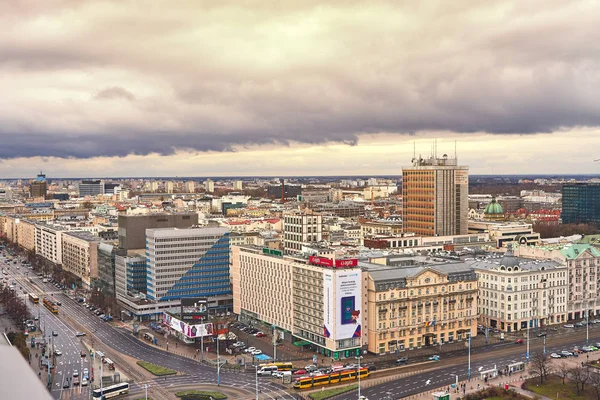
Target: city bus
x,y
281,366
330,379
109,363
34,298
111,391
50,305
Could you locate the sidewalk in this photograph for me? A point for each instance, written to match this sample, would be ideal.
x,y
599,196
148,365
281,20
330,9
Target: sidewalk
x,y
514,382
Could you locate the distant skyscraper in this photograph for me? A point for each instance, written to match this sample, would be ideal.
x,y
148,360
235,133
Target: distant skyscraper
x,y
169,187
209,186
39,186
190,186
91,188
190,262
581,203
154,186
238,185
301,228
435,197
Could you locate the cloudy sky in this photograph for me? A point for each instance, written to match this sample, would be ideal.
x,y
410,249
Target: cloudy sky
x,y
163,88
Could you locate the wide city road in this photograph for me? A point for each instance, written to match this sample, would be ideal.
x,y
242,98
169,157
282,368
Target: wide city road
x,y
65,340
110,339
444,372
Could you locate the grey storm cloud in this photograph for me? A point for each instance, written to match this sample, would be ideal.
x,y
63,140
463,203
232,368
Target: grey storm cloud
x,y
223,77
114,92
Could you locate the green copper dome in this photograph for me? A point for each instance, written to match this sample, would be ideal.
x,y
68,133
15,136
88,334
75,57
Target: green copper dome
x,y
494,208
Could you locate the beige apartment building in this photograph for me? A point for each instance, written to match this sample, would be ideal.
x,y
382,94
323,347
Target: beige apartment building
x,y
26,234
310,299
516,293
48,242
583,267
414,306
80,255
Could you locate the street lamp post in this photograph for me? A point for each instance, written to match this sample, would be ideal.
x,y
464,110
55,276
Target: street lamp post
x,y
544,345
358,373
256,379
146,387
587,327
218,363
469,368
527,354
274,343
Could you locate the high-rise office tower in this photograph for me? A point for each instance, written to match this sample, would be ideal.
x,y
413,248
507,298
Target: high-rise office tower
x,y
191,262
301,228
580,203
435,197
91,187
39,186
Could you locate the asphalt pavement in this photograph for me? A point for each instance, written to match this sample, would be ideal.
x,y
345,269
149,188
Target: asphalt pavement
x,y
497,356
70,360
110,339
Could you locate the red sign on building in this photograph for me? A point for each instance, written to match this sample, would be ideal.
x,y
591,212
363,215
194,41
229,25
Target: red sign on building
x,y
326,262
350,262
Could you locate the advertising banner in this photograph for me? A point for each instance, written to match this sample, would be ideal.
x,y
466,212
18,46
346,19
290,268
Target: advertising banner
x,y
189,330
351,262
326,262
328,297
348,300
194,308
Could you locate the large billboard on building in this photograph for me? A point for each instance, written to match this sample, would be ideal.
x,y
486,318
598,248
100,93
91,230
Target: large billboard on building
x,y
189,330
328,262
342,300
194,308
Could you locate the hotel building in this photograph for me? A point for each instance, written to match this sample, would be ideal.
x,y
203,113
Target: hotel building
x,y
413,305
516,293
310,298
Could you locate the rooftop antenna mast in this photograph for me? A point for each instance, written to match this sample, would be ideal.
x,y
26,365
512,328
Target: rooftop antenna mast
x,y
455,154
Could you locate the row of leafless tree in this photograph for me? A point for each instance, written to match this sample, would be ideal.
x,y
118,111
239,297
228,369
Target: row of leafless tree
x,y
578,376
15,306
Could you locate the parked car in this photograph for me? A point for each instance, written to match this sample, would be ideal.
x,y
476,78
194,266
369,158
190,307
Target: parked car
x,y
256,352
519,341
579,325
300,372
554,355
260,334
434,358
249,349
541,334
566,353
569,326
402,360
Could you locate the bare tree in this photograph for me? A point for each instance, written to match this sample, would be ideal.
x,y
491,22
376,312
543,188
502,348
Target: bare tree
x,y
563,371
574,375
580,376
595,383
540,366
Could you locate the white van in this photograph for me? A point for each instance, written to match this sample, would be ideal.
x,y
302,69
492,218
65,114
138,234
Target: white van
x,y
266,371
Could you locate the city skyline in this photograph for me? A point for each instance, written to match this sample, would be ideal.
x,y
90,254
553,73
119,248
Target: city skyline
x,y
309,88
